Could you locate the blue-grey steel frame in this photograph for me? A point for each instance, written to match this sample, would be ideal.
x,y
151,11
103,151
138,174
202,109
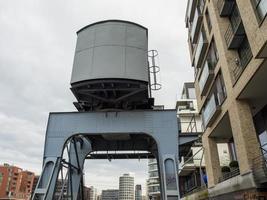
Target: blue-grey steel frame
x,y
160,125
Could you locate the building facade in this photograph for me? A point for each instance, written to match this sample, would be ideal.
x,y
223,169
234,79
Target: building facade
x,y
153,184
92,193
192,170
15,183
110,194
138,192
228,47
126,187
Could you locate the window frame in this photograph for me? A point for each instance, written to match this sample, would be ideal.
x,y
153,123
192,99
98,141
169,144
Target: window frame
x,y
256,4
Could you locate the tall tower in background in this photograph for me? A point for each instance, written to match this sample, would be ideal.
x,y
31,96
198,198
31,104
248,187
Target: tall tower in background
x,y
153,185
126,187
138,192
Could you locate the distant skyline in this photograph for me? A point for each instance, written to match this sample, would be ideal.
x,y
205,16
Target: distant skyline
x,y
36,56
106,185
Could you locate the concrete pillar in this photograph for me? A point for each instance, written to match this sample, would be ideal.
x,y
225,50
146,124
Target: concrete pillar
x,y
244,134
212,160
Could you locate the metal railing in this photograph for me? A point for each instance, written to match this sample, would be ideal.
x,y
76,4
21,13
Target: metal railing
x,y
235,22
245,56
190,126
194,190
229,175
259,167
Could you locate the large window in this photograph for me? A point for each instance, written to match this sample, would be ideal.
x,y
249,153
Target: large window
x,y
261,7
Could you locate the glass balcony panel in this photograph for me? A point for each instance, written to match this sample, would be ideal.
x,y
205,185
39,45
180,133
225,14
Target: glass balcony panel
x,y
205,77
191,8
262,9
195,26
209,110
202,45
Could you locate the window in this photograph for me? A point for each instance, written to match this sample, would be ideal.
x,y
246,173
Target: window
x,y
212,57
208,20
244,52
261,7
1,178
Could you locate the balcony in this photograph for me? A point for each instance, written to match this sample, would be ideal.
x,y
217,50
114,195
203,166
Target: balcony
x,y
206,77
190,10
245,56
225,7
210,111
235,32
200,51
229,175
196,24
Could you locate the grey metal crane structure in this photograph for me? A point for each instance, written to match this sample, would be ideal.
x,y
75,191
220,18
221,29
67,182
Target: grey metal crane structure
x,y
111,82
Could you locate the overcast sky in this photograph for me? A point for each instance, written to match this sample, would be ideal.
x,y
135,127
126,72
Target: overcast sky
x,y
37,46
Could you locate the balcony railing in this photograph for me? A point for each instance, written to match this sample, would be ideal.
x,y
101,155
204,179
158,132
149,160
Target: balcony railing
x,y
235,32
229,175
200,51
205,78
210,111
195,27
244,58
225,7
260,167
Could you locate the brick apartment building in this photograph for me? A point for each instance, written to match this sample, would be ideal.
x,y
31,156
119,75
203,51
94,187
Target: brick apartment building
x,y
15,183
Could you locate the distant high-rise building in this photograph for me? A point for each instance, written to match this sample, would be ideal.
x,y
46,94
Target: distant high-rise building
x,y
110,194
15,183
86,193
93,193
126,190
138,192
153,185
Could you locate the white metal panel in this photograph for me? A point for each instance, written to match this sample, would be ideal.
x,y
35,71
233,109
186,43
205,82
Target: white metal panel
x,y
82,66
110,34
85,39
109,62
136,63
136,37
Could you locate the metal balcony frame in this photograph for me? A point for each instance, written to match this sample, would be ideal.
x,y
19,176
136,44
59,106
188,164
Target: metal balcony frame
x,y
202,52
259,167
242,63
225,7
208,81
198,25
214,115
235,32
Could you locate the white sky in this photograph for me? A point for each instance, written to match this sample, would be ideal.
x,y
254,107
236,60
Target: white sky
x,y
37,46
